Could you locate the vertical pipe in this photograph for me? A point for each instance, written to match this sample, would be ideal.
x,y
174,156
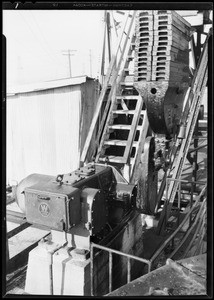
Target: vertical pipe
x,y
128,270
92,270
7,248
51,271
191,202
179,203
195,155
110,272
108,35
167,183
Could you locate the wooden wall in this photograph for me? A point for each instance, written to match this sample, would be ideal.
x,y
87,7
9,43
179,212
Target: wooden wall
x,y
46,129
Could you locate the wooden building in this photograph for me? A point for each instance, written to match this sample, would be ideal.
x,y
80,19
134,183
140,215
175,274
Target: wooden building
x,y
47,125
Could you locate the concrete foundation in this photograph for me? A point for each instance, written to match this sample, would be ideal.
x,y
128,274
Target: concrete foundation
x,y
71,270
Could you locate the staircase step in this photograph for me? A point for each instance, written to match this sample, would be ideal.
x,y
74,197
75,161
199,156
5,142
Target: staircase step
x,y
128,97
112,158
121,126
119,143
130,112
115,159
127,83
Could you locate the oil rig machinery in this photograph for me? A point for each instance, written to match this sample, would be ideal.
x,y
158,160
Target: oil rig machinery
x,y
144,123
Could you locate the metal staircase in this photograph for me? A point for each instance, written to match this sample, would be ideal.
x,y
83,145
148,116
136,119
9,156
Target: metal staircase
x,y
123,122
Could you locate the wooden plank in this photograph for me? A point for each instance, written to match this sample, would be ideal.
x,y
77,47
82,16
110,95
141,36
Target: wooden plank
x,y
128,97
171,52
168,13
10,200
168,47
143,13
129,112
170,43
16,217
171,30
127,83
120,126
172,22
143,39
10,226
112,158
169,37
143,27
172,18
169,69
18,229
169,64
21,244
25,239
143,49
142,64
174,34
119,143
169,77
171,57
145,18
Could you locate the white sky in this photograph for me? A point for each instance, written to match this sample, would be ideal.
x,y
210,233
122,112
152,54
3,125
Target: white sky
x,y
36,40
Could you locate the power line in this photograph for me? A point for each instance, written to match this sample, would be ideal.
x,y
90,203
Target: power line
x,y
90,63
69,54
44,39
30,28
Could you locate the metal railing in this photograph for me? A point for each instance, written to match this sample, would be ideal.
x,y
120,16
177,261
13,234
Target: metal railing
x,y
111,251
197,222
189,118
192,225
180,181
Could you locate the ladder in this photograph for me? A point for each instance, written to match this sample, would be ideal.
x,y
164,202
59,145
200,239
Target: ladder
x,y
123,124
181,147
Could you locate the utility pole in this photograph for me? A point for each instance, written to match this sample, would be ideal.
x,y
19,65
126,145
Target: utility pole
x,y
69,53
90,63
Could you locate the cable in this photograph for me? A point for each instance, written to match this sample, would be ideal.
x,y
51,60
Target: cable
x,y
44,39
39,43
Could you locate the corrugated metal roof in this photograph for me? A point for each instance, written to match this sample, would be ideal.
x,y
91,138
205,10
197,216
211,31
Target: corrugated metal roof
x,y
35,87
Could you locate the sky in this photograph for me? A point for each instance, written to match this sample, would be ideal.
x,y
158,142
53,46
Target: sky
x,y
38,39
